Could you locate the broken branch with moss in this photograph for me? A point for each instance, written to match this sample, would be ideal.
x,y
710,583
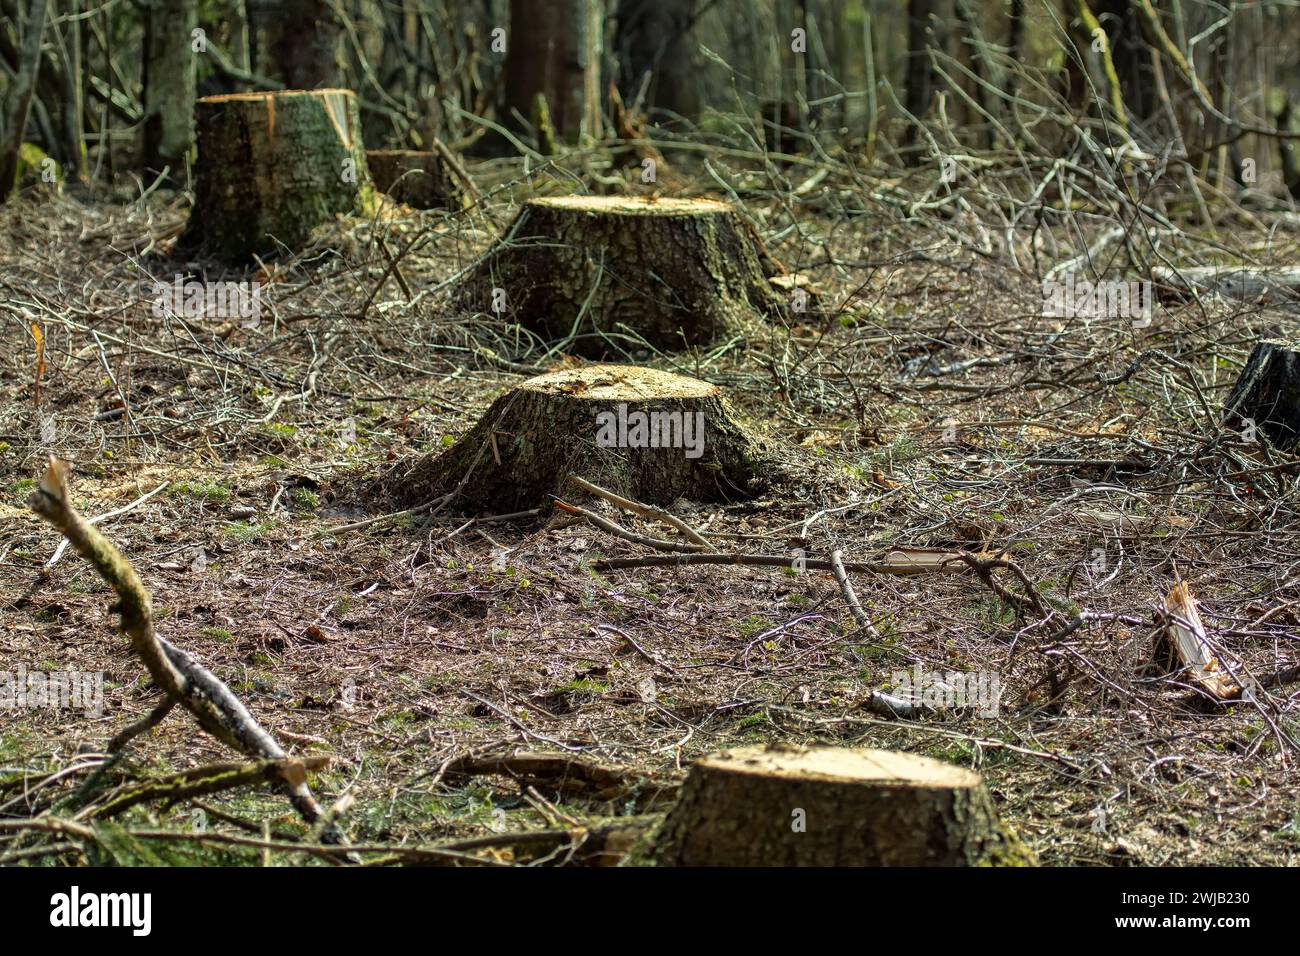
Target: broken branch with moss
x,y
182,679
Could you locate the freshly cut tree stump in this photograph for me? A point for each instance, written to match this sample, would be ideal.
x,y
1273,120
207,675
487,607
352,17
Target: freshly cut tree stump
x,y
675,272
272,167
645,434
1267,393
421,180
829,806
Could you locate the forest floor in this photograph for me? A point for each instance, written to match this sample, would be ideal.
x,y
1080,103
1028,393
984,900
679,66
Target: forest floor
x,y
926,402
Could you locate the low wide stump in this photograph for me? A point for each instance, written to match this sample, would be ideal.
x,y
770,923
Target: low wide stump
x,y
600,272
271,168
830,806
1267,393
649,435
415,178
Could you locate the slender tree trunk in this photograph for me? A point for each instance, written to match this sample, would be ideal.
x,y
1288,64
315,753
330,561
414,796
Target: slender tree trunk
x,y
168,84
1128,53
307,44
553,66
74,114
925,30
19,99
1015,43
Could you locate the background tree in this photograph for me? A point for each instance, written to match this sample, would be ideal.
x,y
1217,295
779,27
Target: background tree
x,y
18,99
553,64
655,57
168,83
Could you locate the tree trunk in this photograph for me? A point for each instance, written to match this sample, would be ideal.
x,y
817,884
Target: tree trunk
x,y
272,167
72,75
168,125
306,45
645,434
782,806
589,270
1128,55
653,48
554,52
418,179
1267,394
926,26
13,120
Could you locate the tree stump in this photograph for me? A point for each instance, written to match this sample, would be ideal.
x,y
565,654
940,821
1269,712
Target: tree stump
x,y
602,271
272,167
1267,393
828,806
645,434
418,179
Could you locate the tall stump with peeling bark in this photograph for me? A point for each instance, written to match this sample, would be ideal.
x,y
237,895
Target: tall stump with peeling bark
x,y
598,273
645,434
272,167
420,179
1268,393
826,806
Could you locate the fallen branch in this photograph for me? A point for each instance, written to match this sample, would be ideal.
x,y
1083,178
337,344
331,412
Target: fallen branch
x,y
850,596
567,774
644,510
898,562
204,781
186,682
659,544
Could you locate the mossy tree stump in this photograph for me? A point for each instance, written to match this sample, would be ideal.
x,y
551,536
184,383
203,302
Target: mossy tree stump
x,y
1267,393
419,179
645,434
272,167
827,806
597,272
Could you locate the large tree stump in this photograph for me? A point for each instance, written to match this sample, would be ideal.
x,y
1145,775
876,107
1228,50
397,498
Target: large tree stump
x,y
1267,393
589,270
639,432
272,167
421,180
825,806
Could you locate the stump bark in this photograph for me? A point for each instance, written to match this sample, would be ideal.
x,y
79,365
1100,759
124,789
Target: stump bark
x,y
272,167
1268,393
599,272
830,806
419,179
645,434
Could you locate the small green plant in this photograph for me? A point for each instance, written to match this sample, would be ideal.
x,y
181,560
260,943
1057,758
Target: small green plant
x,y
247,530
20,489
202,490
307,498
